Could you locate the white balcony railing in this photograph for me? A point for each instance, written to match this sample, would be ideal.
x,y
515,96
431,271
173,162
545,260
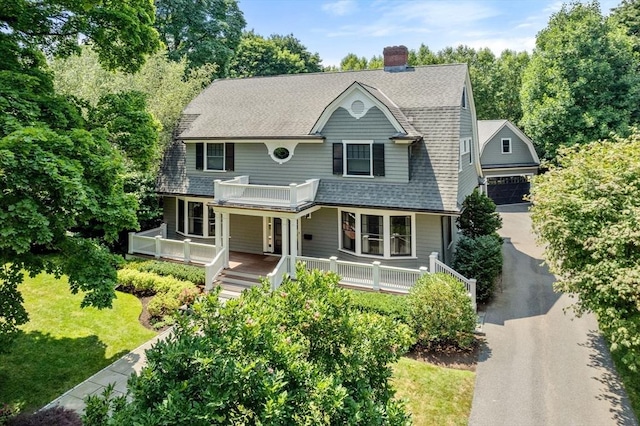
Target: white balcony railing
x,y
239,190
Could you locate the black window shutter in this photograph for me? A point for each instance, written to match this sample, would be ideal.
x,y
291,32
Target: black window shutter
x,y
378,159
337,159
229,156
199,156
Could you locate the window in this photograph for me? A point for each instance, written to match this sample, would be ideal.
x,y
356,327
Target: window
x,y
464,97
381,235
348,231
400,235
215,156
465,148
372,234
194,217
358,158
506,146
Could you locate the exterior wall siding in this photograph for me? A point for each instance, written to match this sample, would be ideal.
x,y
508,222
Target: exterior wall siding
x,y
492,153
169,217
468,177
245,233
313,160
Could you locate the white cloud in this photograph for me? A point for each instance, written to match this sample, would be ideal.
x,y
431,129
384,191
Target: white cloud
x,y
340,7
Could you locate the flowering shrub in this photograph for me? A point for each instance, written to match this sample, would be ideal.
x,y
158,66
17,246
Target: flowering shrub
x,y
300,355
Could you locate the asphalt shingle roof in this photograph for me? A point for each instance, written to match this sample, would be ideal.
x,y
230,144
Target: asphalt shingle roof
x,y
424,100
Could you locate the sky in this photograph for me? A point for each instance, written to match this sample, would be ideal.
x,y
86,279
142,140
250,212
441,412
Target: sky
x,y
334,28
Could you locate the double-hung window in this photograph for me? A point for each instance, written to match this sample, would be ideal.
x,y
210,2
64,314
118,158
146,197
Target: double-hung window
x,y
506,145
195,218
215,156
381,235
358,161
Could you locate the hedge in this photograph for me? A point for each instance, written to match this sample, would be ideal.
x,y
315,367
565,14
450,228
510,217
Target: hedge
x,y
191,273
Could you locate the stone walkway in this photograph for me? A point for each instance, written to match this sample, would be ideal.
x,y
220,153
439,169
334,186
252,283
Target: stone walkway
x,y
117,373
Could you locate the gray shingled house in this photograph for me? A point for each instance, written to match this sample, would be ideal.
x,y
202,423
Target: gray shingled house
x,y
508,159
360,166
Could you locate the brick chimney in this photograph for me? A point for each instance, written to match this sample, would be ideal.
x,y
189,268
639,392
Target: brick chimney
x,y
396,58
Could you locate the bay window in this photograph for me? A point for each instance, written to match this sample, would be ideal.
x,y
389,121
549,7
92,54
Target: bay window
x,y
195,218
384,234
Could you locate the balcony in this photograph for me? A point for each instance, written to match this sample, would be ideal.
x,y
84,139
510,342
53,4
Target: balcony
x,y
240,191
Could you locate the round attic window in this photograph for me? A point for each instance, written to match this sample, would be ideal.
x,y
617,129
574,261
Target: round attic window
x,y
357,107
281,153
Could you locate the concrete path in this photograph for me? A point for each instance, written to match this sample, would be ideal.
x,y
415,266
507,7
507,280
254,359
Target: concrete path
x,y
117,373
541,365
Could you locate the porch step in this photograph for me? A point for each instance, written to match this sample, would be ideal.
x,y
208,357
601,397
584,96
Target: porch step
x,y
234,283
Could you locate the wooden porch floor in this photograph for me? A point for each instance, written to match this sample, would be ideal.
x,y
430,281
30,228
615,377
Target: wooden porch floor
x,y
258,264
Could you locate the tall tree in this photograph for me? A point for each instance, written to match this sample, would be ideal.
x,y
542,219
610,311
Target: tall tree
x,y
352,62
587,213
205,32
510,66
259,56
61,179
581,84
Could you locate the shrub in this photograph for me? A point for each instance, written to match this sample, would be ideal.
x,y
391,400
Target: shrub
x,y
480,258
441,312
479,216
299,355
170,293
58,416
191,273
6,412
393,306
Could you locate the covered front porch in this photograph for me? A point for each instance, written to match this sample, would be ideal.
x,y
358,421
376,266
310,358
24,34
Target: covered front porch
x,y
216,258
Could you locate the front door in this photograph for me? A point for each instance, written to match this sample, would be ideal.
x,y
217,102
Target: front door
x,y
277,235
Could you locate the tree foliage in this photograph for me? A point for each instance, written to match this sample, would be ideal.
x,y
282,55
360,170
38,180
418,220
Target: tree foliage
x,y
259,56
480,258
205,32
61,186
299,355
587,214
121,32
581,84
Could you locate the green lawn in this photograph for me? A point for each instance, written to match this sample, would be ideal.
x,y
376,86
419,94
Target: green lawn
x,y
435,395
63,344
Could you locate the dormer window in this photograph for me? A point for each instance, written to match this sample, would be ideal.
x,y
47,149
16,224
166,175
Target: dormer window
x,y
358,158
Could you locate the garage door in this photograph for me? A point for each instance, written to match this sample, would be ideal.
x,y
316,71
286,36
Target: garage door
x,y
508,190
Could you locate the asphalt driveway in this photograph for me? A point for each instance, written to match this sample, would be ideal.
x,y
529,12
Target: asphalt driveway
x,y
541,365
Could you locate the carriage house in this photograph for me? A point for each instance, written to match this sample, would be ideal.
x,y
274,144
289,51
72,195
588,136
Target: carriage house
x,y
365,166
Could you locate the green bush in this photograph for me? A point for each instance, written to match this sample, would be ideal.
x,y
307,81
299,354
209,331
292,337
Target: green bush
x,y
191,273
302,354
480,258
170,293
479,216
393,306
441,312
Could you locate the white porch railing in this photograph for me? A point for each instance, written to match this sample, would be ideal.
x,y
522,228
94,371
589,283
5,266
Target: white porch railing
x,y
276,276
436,266
369,275
239,190
213,269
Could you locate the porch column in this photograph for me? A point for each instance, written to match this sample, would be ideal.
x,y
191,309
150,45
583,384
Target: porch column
x,y
218,231
225,236
293,243
285,236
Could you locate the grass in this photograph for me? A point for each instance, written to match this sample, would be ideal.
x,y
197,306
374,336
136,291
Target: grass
x,y
435,395
62,344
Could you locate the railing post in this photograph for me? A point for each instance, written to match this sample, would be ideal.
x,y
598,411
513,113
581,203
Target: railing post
x,y
333,264
163,230
158,246
131,234
376,275
432,262
472,293
423,270
208,277
293,195
217,190
187,250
